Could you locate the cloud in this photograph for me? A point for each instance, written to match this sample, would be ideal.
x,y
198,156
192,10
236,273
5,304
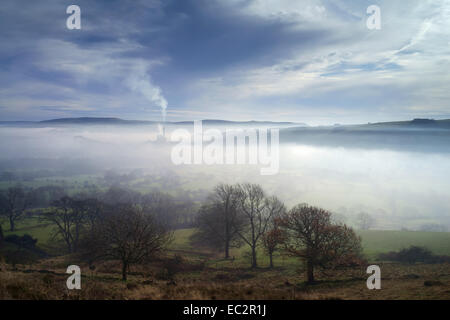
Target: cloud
x,y
311,60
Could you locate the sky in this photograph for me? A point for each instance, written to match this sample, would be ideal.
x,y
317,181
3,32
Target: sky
x,y
309,61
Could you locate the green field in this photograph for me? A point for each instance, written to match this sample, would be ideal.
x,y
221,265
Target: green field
x,y
33,227
374,242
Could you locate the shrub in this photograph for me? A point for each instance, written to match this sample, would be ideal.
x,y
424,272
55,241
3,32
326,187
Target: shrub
x,y
173,266
413,254
21,249
25,241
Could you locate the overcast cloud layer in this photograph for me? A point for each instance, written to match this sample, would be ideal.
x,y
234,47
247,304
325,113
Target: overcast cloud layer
x,y
307,61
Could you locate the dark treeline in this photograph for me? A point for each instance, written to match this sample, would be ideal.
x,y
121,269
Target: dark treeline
x,y
18,202
119,224
127,226
244,215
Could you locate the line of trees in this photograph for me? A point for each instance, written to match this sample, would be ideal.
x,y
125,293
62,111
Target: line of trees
x,y
132,228
119,224
17,201
243,214
236,215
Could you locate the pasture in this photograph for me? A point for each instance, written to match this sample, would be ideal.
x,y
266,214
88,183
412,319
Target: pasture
x,y
374,242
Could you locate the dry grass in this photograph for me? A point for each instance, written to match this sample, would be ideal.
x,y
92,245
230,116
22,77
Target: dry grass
x,y
194,281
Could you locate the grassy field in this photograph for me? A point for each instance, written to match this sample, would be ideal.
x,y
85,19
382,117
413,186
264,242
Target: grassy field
x,y
203,274
373,241
32,226
195,280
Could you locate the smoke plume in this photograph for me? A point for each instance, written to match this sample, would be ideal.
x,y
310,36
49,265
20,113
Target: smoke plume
x,y
141,82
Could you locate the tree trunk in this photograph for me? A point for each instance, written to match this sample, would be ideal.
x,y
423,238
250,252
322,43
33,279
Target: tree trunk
x,y
124,271
271,260
12,225
69,246
309,271
77,236
227,249
227,238
1,234
254,264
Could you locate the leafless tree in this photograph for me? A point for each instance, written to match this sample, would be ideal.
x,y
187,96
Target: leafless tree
x,y
66,220
2,212
218,221
126,234
72,218
273,239
89,211
365,221
15,202
117,195
1,235
256,210
311,235
162,207
44,196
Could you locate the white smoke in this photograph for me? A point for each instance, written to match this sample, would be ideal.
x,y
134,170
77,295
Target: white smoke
x,y
141,82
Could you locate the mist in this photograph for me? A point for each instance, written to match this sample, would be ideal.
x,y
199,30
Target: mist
x,y
400,187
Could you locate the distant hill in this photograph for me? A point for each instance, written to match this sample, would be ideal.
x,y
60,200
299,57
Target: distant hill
x,y
422,135
416,123
244,123
94,120
16,123
413,124
118,121
395,126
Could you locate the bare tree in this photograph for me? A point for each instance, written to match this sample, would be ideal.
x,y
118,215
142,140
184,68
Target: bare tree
x,y
162,207
69,216
217,220
365,221
1,235
256,210
117,195
273,239
16,201
88,211
126,234
44,196
2,213
311,235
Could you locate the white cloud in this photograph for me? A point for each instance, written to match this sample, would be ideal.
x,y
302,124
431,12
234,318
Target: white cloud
x,y
346,70
407,59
